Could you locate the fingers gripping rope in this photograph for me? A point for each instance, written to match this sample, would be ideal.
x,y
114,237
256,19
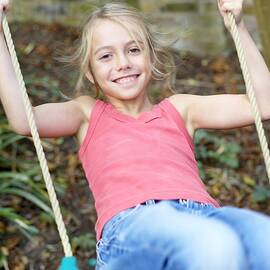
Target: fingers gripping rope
x,y
250,93
37,143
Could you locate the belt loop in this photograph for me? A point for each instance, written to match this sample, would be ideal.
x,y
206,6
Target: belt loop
x,y
149,202
183,202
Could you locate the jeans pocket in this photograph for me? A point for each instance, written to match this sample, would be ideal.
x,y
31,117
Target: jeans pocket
x,y
110,228
108,244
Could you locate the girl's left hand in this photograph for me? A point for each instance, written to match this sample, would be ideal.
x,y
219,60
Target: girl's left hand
x,y
234,6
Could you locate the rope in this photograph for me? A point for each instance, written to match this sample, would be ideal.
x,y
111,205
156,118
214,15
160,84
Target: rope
x,y
40,153
250,93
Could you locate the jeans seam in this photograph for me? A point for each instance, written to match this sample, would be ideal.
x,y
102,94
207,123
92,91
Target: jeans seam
x,y
98,244
120,246
110,229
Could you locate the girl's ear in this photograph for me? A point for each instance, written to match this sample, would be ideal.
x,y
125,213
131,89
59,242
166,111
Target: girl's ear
x,y
90,77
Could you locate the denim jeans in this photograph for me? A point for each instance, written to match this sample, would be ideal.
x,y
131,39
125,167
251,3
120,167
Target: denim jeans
x,y
185,235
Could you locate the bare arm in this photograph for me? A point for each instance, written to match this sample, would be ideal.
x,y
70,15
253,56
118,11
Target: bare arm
x,y
230,111
52,119
62,119
9,90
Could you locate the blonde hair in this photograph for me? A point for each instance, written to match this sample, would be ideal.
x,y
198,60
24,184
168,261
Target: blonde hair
x,y
162,61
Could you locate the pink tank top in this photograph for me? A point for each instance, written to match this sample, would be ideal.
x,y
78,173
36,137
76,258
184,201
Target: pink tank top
x,y
128,161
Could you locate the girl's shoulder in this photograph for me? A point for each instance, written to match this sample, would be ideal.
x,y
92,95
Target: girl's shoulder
x,y
181,103
86,104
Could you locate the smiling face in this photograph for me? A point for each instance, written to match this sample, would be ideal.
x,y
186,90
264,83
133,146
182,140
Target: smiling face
x,y
121,68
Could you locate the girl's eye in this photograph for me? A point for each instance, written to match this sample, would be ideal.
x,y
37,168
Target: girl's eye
x,y
134,50
106,56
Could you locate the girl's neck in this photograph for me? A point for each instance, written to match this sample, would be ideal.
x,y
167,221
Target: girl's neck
x,y
132,107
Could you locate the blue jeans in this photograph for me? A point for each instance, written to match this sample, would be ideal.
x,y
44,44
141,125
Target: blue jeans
x,y
184,235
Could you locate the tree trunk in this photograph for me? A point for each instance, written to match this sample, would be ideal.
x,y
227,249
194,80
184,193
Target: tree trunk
x,y
262,8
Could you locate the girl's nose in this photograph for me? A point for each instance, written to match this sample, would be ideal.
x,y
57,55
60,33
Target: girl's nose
x,y
122,63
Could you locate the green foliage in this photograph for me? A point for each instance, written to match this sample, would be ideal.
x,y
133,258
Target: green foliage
x,y
85,241
3,258
19,178
261,194
20,184
21,223
180,7
40,87
211,149
46,218
133,3
7,137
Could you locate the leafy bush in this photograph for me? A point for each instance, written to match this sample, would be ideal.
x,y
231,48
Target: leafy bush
x,y
85,241
19,178
261,194
211,149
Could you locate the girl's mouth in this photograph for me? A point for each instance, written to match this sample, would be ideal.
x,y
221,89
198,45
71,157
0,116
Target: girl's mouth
x,y
126,79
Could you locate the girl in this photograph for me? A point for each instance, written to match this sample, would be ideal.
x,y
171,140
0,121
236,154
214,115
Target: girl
x,y
153,209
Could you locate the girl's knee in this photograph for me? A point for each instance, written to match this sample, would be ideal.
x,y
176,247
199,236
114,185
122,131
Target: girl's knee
x,y
242,216
223,240
218,247
247,222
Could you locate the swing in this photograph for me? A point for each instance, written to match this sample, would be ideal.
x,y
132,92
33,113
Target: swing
x,y
69,261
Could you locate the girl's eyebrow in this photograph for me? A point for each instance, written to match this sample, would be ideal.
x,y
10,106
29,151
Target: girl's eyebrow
x,y
102,48
110,47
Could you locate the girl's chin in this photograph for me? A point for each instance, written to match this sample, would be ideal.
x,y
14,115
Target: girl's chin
x,y
127,94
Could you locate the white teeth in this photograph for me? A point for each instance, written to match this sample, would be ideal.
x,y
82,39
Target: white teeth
x,y
126,79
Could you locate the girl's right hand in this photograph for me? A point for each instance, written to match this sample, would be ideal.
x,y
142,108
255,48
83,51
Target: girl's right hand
x,y
4,4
